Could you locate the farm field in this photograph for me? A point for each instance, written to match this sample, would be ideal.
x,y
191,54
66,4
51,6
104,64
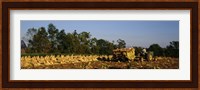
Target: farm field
x,y
94,62
99,44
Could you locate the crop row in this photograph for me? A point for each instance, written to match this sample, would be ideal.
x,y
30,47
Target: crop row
x,y
36,61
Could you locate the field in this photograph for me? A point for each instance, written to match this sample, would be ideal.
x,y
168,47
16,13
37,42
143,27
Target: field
x,y
94,62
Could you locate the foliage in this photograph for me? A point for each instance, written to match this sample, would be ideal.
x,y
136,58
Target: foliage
x,y
171,50
52,33
121,43
53,40
157,50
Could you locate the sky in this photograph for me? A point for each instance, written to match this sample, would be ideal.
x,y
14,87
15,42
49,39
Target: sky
x,y
135,33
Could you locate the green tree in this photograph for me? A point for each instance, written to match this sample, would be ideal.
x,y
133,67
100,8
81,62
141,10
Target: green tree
x,y
105,47
30,33
84,38
172,50
93,46
121,43
63,42
52,37
40,42
157,50
55,41
110,48
70,43
29,38
75,44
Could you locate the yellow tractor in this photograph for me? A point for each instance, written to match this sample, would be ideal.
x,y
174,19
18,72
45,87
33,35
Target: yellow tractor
x,y
124,54
128,54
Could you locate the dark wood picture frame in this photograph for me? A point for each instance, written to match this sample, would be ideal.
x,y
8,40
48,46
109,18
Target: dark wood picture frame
x,y
7,83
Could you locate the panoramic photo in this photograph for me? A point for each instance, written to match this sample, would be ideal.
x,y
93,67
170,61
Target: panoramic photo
x,y
99,44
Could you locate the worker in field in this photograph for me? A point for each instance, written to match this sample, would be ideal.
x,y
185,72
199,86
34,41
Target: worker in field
x,y
143,54
146,55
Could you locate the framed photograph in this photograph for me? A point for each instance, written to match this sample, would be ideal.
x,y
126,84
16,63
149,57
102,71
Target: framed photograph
x,y
100,44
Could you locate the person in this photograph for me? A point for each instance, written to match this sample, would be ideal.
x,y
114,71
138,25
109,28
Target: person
x,y
144,51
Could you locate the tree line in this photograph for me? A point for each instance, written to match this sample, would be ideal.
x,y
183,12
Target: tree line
x,y
53,40
171,50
